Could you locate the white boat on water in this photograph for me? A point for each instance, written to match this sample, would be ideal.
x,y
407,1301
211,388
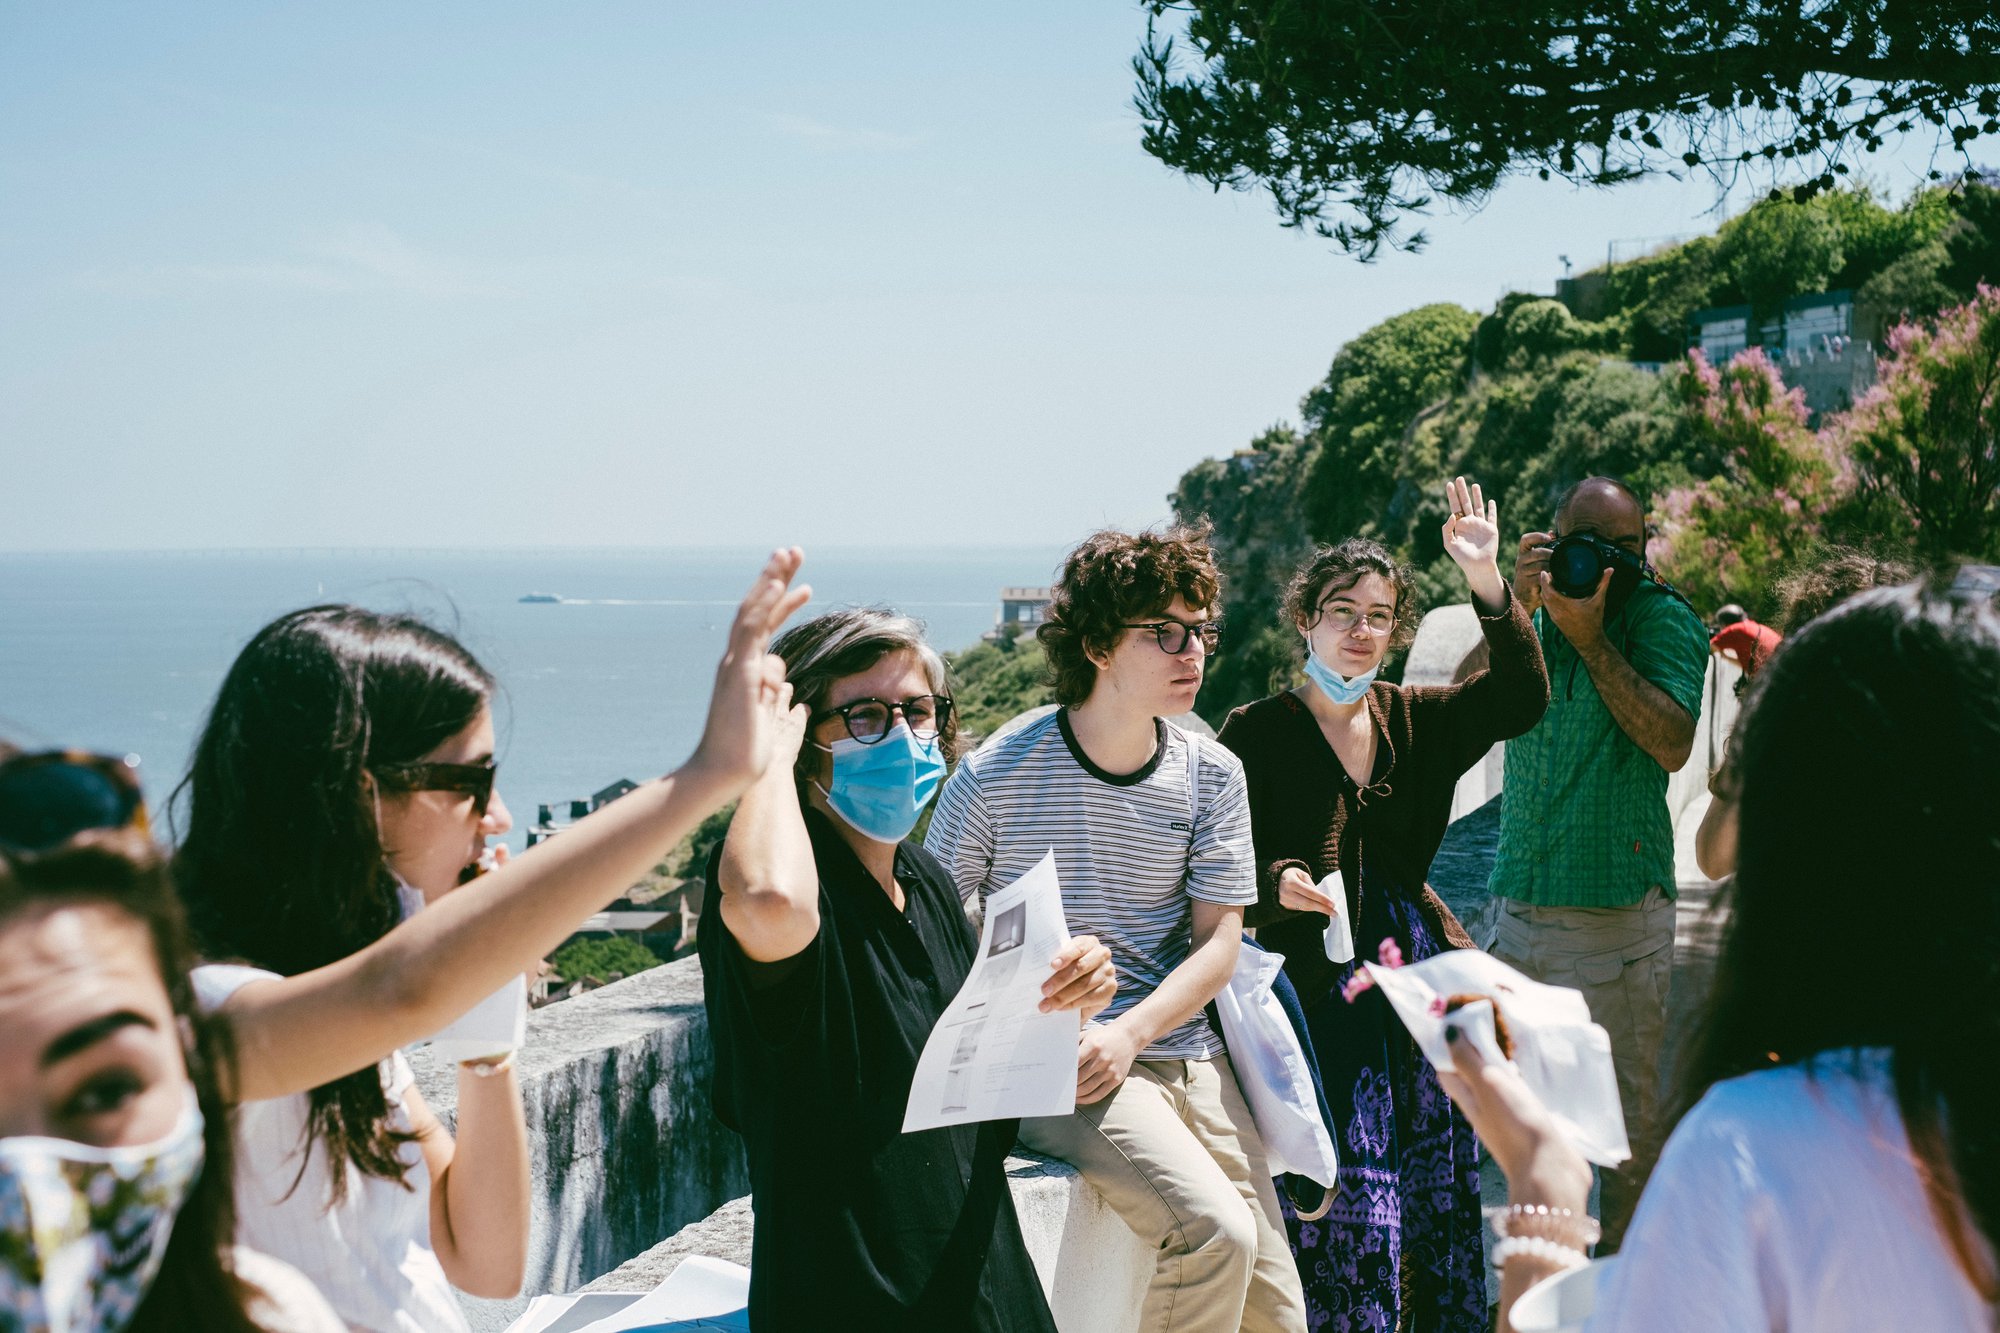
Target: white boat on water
x,y
541,597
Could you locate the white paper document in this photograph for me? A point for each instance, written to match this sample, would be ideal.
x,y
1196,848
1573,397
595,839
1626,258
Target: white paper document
x,y
1339,931
1563,1056
993,1054
701,1293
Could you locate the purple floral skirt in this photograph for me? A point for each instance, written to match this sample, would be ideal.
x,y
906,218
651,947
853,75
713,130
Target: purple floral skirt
x,y
1400,1249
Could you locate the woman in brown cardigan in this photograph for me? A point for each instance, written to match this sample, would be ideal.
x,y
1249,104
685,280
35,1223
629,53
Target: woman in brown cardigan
x,y
1353,774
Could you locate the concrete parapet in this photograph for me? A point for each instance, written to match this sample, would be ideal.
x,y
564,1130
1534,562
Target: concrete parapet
x,y
1092,1267
624,1146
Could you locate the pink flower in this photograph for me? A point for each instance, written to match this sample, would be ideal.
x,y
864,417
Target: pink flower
x,y
1389,954
1356,984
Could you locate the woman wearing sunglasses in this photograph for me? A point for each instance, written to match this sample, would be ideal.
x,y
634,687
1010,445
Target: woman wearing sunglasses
x,y
1352,774
841,944
340,793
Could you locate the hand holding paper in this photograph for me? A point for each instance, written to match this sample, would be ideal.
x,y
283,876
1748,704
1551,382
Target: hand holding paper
x,y
1563,1058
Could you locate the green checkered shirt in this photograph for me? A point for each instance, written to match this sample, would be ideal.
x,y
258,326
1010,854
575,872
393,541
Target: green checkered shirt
x,y
1584,819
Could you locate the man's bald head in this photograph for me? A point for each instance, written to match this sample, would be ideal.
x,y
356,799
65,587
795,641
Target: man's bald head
x,y
1604,507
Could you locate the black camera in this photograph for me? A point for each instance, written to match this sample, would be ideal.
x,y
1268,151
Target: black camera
x,y
1578,561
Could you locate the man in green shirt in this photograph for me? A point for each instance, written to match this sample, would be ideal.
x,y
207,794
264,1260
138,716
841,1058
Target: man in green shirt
x,y
1585,868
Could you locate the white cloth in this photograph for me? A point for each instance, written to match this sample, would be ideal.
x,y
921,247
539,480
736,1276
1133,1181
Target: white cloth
x,y
1789,1200
371,1257
282,1299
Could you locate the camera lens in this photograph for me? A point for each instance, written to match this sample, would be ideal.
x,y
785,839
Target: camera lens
x,y
1574,568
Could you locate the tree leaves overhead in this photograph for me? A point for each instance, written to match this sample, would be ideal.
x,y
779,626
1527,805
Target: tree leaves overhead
x,y
1353,114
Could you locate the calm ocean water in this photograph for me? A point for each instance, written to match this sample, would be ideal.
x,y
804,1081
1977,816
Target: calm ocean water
x,y
124,652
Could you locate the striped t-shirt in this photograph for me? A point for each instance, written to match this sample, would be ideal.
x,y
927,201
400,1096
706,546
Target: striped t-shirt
x,y
1128,860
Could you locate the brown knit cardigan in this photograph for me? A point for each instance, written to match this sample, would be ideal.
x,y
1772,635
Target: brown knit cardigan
x,y
1305,811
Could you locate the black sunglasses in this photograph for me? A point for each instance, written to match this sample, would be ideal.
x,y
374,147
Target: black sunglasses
x,y
474,780
47,799
869,720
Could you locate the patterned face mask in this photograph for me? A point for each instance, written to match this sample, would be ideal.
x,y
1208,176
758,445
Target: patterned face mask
x,y
83,1230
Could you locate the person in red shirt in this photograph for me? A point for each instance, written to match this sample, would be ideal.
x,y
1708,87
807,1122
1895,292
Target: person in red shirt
x,y
1742,640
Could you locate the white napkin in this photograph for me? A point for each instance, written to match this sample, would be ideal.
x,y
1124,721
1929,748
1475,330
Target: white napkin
x,y
491,1028
1339,931
1563,1056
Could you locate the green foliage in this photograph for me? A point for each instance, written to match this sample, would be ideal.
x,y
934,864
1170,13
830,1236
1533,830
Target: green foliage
x,y
1358,415
1529,399
1260,541
992,682
1779,250
1925,441
1660,293
1353,114
601,958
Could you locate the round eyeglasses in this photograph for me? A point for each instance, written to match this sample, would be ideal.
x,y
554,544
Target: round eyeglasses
x,y
1173,635
869,720
1345,618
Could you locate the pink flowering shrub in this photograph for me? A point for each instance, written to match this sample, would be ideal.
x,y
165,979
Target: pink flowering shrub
x,y
1726,539
1925,441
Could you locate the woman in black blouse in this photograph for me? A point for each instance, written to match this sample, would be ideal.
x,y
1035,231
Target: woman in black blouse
x,y
1350,773
841,944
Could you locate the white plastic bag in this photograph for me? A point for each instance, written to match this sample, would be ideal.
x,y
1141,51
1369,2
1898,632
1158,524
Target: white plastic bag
x,y
1271,1069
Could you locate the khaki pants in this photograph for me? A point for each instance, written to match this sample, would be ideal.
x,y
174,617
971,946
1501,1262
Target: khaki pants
x,y
1622,959
1174,1152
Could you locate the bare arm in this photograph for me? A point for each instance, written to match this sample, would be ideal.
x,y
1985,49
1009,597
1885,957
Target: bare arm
x,y
1642,710
302,1031
767,876
1106,1053
480,1197
1715,840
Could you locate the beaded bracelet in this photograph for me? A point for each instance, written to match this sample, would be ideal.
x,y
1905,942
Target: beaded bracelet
x,y
1564,1257
1563,1225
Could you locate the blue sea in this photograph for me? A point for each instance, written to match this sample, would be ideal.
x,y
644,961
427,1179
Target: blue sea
x,y
124,652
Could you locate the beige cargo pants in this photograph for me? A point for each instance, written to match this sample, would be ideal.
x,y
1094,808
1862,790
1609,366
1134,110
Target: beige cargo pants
x,y
1622,959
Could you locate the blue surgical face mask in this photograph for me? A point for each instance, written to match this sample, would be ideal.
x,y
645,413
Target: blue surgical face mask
x,y
880,789
1334,685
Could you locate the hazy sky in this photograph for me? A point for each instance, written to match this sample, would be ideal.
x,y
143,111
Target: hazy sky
x,y
654,274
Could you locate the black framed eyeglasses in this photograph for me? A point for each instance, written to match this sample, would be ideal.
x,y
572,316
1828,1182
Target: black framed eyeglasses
x,y
46,799
869,720
1173,635
474,780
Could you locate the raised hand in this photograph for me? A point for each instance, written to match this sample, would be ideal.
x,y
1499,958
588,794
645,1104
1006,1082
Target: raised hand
x,y
748,710
1472,537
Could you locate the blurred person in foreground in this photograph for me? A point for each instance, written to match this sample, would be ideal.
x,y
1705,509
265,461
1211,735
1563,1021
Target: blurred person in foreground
x,y
1584,873
1836,1161
115,1204
1350,773
1805,594
835,946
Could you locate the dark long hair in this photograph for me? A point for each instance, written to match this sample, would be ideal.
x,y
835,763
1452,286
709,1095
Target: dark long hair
x,y
1870,836
280,861
196,1286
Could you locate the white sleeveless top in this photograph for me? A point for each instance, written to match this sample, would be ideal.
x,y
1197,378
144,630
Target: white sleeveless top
x,y
371,1257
